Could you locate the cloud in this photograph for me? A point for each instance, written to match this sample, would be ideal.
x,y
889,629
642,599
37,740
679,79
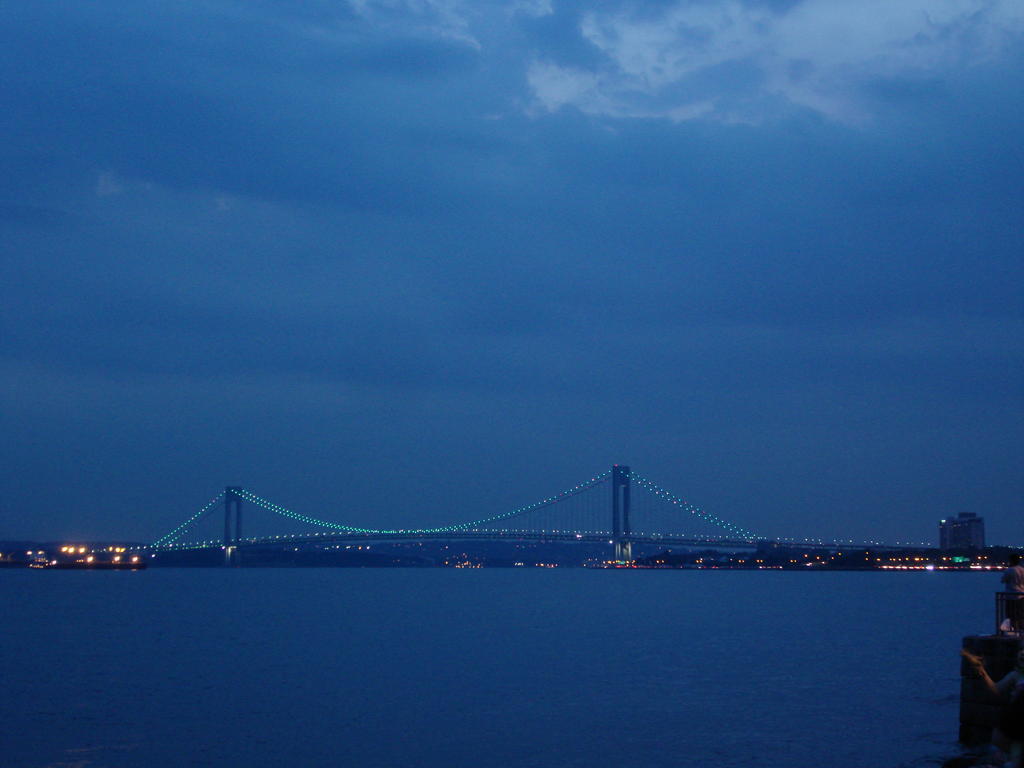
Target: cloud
x,y
441,18
746,62
324,216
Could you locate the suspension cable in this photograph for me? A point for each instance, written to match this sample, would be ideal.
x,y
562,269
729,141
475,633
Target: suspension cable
x,y
168,538
670,497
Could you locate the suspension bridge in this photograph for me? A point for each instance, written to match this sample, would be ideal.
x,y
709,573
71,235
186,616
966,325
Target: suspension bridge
x,y
618,506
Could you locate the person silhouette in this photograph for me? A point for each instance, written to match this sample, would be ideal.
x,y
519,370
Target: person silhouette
x,y
1013,578
1008,735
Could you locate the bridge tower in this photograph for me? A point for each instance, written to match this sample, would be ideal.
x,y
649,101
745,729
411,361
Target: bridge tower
x,y
232,504
620,513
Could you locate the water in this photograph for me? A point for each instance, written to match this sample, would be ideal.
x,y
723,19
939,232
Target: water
x,y
485,668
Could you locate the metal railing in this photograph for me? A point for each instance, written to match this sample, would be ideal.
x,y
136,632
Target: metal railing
x,y
1009,613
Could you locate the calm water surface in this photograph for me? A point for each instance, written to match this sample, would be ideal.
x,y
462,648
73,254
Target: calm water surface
x,y
485,668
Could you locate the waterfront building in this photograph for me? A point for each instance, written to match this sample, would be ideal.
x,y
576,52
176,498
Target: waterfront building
x,y
963,531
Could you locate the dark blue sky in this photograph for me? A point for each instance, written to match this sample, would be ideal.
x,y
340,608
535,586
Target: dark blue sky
x,y
403,263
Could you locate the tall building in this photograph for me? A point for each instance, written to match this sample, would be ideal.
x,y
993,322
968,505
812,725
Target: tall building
x,y
964,530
